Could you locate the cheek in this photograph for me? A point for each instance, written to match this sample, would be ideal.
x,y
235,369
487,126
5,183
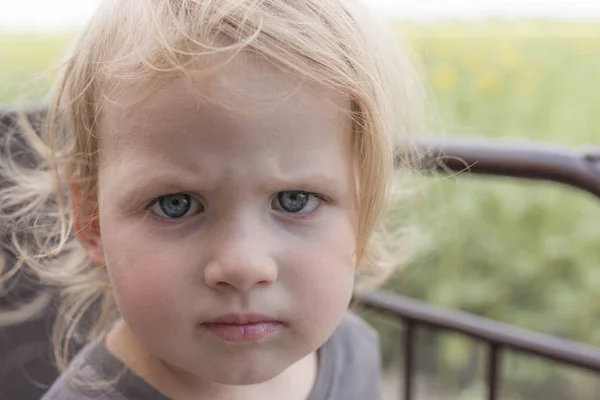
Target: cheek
x,y
320,272
149,279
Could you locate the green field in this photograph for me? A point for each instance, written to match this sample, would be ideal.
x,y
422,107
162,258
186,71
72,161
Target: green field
x,y
523,253
520,252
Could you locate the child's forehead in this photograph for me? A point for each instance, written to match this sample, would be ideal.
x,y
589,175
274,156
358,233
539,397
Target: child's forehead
x,y
244,129
244,85
244,95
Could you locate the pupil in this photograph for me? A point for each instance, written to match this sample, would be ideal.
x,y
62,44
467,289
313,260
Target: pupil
x,y
176,205
293,201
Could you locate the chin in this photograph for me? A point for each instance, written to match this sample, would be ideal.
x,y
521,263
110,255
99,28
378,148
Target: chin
x,y
244,375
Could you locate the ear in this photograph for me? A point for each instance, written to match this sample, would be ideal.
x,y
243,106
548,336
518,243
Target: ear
x,y
86,223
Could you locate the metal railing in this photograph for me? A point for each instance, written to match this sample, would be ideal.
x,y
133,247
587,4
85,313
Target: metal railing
x,y
532,161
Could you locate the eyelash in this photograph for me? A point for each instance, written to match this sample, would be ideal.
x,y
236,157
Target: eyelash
x,y
310,215
156,200
306,216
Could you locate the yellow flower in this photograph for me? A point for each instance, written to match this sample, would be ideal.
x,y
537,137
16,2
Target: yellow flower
x,y
445,78
508,56
526,82
446,47
489,82
472,59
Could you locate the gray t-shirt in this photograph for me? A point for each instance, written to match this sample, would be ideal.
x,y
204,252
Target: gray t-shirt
x,y
349,369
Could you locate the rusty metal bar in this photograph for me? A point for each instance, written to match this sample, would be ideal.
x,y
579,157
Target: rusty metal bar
x,y
515,159
493,370
409,358
524,341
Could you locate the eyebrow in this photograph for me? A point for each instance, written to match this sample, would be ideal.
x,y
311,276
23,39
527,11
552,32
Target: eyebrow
x,y
178,178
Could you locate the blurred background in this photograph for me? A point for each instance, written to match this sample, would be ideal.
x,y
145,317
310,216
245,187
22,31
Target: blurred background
x,y
523,253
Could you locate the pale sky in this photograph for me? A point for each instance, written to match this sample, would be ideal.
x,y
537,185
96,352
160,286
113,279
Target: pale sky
x,y
60,14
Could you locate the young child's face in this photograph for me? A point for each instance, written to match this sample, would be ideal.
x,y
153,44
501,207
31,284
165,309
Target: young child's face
x,y
242,214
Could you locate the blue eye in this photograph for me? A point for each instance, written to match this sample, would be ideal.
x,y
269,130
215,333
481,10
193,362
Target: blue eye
x,y
296,202
175,206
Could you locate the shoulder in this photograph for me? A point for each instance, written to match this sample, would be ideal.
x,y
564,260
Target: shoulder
x,y
83,381
349,365
85,385
355,328
359,344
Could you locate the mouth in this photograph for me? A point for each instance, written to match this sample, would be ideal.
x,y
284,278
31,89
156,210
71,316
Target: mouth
x,y
242,327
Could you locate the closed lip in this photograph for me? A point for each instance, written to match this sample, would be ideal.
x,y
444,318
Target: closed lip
x,y
242,328
241,319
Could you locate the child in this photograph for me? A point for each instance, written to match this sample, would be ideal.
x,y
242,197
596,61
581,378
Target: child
x,y
215,172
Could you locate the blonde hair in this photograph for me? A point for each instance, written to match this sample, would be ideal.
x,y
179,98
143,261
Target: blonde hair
x,y
331,42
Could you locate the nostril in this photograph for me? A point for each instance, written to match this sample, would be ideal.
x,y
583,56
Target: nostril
x,y
240,273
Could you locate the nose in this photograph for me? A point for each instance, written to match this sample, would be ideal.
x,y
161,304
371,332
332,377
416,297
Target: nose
x,y
240,262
